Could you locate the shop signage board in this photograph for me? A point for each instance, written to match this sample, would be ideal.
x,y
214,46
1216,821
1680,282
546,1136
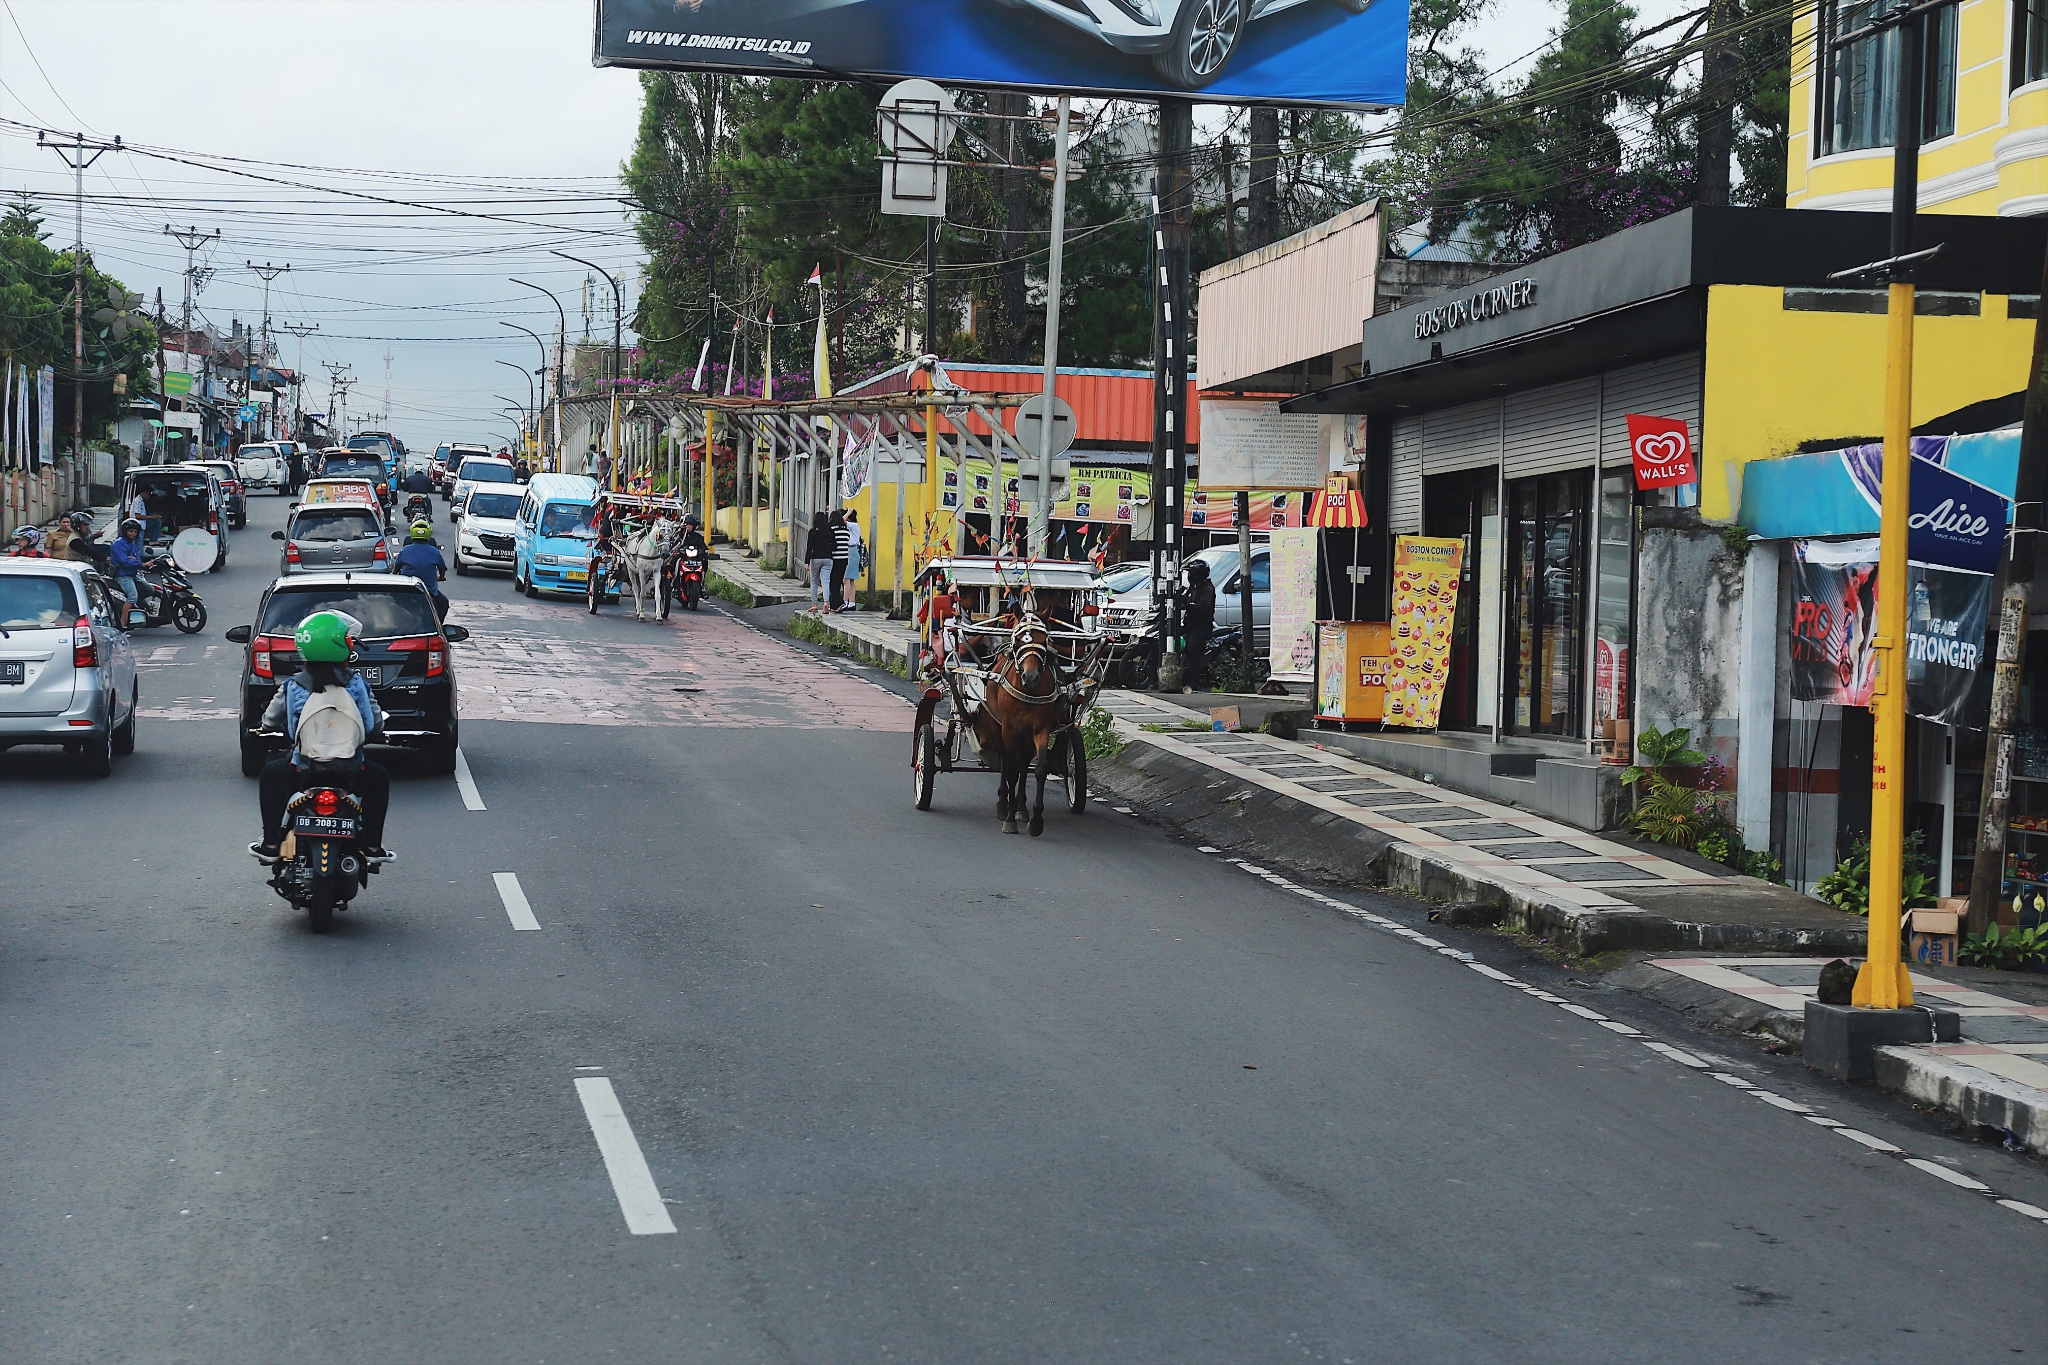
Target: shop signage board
x,y
1954,523
1661,448
1351,670
1425,607
1289,52
177,383
1834,621
1253,445
1291,638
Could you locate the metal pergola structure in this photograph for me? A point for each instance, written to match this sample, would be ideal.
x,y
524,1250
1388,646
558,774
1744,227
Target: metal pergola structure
x,y
804,444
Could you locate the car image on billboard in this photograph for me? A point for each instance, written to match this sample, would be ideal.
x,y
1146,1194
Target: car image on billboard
x,y
1351,53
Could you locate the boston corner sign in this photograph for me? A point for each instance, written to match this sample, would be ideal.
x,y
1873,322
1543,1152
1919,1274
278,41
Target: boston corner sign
x,y
1475,307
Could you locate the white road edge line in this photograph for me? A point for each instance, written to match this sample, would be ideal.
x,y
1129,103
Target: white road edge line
x,y
516,908
1944,1173
632,1182
472,799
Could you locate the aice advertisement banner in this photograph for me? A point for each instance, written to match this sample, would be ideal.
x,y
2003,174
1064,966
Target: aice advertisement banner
x,y
1425,608
1334,52
1834,629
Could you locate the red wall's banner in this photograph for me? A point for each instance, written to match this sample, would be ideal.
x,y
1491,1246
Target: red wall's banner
x,y
1662,450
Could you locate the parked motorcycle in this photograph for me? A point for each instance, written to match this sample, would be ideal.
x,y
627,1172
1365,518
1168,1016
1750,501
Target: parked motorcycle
x,y
321,864
167,598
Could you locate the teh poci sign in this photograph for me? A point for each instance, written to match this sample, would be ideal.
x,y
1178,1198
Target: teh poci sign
x,y
1662,450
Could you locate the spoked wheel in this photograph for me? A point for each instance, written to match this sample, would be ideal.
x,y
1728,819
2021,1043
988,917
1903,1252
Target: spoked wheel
x,y
1076,769
594,590
924,766
190,615
668,592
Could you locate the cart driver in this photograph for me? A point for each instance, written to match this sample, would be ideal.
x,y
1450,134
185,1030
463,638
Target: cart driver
x,y
935,615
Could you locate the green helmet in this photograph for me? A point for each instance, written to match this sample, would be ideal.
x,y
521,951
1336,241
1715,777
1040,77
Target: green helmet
x,y
422,529
327,637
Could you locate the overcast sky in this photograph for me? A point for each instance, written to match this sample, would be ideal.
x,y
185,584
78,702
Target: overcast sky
x,y
490,106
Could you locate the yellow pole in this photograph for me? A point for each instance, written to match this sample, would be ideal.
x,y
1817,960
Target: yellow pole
x,y
1883,982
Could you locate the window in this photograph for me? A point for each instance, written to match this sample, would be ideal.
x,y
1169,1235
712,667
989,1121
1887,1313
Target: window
x,y
1857,108
2029,43
384,612
568,519
1262,573
28,603
321,528
499,505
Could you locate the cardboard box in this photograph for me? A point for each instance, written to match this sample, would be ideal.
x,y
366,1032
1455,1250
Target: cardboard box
x,y
1938,921
1936,950
1225,718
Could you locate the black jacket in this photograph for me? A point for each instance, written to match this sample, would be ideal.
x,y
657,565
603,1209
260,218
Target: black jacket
x,y
818,543
1198,613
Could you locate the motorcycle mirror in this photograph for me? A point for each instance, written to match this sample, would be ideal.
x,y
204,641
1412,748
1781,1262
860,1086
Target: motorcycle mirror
x,y
239,634
277,535
455,635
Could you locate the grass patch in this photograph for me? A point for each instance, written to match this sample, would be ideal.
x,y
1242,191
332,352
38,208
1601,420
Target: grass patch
x,y
809,628
1201,726
728,590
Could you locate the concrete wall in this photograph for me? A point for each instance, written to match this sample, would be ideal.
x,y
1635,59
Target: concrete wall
x,y
1689,631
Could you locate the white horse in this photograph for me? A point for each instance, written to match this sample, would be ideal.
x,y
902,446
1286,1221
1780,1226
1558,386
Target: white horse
x,y
642,554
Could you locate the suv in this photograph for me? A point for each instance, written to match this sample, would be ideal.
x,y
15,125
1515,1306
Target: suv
x,y
404,658
327,536
478,469
448,459
1130,612
67,670
488,521
178,497
231,484
266,465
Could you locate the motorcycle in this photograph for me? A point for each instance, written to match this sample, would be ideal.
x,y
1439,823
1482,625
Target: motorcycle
x,y
417,505
690,578
321,865
167,598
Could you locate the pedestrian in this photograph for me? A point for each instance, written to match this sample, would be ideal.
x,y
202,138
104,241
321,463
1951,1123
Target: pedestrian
x,y
818,558
840,549
1197,624
856,557
601,461
295,470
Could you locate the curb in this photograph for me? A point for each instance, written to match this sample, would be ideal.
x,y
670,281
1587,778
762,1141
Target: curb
x,y
1972,1095
1709,1007
755,596
886,653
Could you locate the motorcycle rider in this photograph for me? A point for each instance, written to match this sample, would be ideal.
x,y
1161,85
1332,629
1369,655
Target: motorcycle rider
x,y
1197,624
422,559
125,554
326,643
28,543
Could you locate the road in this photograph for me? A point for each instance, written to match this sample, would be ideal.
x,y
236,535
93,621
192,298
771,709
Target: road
x,y
906,1089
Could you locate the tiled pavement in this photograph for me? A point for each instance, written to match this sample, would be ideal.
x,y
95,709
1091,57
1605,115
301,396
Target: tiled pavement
x,y
1495,843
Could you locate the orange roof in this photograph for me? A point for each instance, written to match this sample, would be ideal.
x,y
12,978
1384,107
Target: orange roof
x,y
1111,407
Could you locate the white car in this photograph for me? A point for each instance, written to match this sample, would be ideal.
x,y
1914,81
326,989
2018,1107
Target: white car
x,y
264,466
1189,41
478,469
488,518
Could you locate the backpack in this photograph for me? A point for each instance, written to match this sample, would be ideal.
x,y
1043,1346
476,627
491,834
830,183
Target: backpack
x,y
330,726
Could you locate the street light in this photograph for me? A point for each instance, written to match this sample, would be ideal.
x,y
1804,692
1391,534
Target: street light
x,y
528,409
561,345
618,313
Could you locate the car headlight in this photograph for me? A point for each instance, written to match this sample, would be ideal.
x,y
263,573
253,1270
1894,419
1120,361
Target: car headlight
x,y
546,559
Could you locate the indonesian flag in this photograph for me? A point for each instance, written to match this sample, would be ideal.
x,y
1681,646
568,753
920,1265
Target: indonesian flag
x,y
817,276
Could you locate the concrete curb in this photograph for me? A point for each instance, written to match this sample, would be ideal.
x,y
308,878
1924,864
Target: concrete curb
x,y
881,647
758,594
1972,1095
1709,1007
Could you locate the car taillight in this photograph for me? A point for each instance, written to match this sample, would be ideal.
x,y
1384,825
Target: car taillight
x,y
213,522
435,648
380,549
266,655
291,552
85,651
326,801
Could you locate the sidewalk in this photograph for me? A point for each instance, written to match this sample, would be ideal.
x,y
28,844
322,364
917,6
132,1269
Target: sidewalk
x,y
767,589
1996,1076
1494,863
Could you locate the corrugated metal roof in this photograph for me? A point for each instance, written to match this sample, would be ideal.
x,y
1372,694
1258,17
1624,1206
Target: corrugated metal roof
x,y
1111,407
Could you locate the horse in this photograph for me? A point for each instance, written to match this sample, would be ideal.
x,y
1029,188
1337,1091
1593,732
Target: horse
x,y
642,554
1026,708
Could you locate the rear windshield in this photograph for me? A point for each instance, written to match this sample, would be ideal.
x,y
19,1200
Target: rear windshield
x,y
567,519
316,527
487,471
32,603
154,486
340,465
504,505
383,613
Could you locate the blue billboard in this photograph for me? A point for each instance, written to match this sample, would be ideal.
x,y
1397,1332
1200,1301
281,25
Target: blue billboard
x,y
1352,53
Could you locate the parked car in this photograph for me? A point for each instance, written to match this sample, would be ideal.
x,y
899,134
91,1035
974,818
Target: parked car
x,y
67,670
1130,611
322,537
478,469
486,536
231,484
265,465
551,539
405,658
1189,42
179,497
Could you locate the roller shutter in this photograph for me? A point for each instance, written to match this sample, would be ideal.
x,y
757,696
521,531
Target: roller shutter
x,y
1663,388
1552,428
1404,478
1464,437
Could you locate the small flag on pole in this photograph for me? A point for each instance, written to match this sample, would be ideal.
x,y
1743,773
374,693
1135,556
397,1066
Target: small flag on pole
x,y
817,276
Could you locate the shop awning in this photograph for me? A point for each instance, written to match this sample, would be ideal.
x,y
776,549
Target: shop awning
x,y
1834,492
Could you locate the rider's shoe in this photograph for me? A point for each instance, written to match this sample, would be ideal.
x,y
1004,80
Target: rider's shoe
x,y
264,853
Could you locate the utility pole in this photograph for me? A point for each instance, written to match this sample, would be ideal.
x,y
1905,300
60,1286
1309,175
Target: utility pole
x,y
618,316
1173,216
301,330
191,239
339,382
387,386
266,272
1262,229
1040,489
74,154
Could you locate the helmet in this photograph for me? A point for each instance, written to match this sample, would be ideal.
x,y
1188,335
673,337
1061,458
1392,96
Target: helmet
x,y
1198,569
32,534
422,529
81,521
690,520
131,524
327,637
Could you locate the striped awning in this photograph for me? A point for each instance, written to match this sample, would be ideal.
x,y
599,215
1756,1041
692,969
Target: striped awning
x,y
1339,509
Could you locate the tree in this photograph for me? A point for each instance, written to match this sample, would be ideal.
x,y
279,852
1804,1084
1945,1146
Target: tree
x,y
23,219
36,323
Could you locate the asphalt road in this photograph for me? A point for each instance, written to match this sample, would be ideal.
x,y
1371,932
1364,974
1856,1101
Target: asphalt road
x,y
907,1089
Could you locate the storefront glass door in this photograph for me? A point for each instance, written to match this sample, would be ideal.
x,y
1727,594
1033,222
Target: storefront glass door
x,y
1549,523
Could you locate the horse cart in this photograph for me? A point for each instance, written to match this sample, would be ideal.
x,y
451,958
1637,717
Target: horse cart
x,y
635,550
1015,653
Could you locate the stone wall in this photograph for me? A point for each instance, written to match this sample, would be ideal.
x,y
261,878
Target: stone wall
x,y
1688,635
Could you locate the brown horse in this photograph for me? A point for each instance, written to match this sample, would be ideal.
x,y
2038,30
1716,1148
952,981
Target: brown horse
x,y
1028,710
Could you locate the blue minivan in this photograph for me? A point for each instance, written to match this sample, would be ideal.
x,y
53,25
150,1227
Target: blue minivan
x,y
552,537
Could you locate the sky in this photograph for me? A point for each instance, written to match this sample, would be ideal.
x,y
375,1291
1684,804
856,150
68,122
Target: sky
x,y
486,107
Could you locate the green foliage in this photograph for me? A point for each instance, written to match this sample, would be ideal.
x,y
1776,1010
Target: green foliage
x,y
1847,887
1736,538
1099,738
810,628
36,305
1760,864
2008,948
728,590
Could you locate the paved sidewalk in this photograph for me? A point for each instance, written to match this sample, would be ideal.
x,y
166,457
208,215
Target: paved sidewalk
x,y
1548,877
767,588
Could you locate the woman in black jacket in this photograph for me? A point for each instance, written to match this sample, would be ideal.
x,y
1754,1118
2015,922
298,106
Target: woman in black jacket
x,y
818,558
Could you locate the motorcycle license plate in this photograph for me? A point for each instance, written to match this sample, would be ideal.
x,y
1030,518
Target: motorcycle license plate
x,y
325,826
16,672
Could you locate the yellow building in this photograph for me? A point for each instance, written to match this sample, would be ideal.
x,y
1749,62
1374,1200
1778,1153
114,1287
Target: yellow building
x,y
1985,111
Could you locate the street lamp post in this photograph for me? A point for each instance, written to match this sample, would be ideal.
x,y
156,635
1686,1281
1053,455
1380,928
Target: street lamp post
x,y
540,408
561,346
618,315
529,389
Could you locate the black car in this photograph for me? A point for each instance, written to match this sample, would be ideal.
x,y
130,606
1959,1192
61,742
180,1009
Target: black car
x,y
336,463
405,657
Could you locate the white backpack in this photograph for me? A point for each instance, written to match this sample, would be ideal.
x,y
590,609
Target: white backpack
x,y
330,726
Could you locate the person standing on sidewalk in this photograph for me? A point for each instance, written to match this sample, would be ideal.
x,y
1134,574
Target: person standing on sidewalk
x,y
818,558
839,552
856,556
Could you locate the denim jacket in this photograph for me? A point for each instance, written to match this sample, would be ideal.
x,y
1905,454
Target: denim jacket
x,y
283,711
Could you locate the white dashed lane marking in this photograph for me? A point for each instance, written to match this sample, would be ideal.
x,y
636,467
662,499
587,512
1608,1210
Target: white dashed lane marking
x,y
639,1197
516,908
472,799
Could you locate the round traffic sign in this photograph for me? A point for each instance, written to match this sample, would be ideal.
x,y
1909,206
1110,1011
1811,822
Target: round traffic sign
x,y
1031,417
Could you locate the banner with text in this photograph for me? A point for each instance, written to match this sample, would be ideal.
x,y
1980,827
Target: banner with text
x,y
1834,626
1425,606
1291,646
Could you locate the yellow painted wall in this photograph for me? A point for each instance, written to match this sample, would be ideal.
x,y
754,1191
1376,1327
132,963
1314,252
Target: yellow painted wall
x,y
1958,174
919,498
1776,378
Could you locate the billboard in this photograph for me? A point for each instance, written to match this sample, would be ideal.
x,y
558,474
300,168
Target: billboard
x,y
1335,52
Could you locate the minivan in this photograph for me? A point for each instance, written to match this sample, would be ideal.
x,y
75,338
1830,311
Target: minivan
x,y
331,536
67,670
178,497
552,537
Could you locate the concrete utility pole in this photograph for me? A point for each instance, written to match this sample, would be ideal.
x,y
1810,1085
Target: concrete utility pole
x,y
1262,229
301,330
191,239
1040,488
74,154
339,382
1173,217
266,272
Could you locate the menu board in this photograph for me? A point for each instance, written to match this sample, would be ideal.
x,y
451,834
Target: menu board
x,y
1254,445
1291,647
1425,607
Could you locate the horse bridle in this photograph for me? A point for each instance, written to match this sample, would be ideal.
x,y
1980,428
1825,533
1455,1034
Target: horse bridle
x,y
1041,647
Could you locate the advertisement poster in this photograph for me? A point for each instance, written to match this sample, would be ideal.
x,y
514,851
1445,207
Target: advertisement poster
x,y
1344,52
46,415
1270,511
1834,621
1254,445
1291,645
1103,493
1424,609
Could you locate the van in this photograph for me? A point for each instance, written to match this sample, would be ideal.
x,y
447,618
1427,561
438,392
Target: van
x,y
176,498
552,535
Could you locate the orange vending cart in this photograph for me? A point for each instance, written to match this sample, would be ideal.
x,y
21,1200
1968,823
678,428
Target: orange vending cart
x,y
1351,671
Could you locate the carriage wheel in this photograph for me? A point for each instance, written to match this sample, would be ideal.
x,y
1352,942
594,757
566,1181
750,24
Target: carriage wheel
x,y
924,766
593,589
1076,768
667,592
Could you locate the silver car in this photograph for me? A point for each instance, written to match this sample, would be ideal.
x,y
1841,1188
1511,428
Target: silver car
x,y
335,535
1189,41
67,671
